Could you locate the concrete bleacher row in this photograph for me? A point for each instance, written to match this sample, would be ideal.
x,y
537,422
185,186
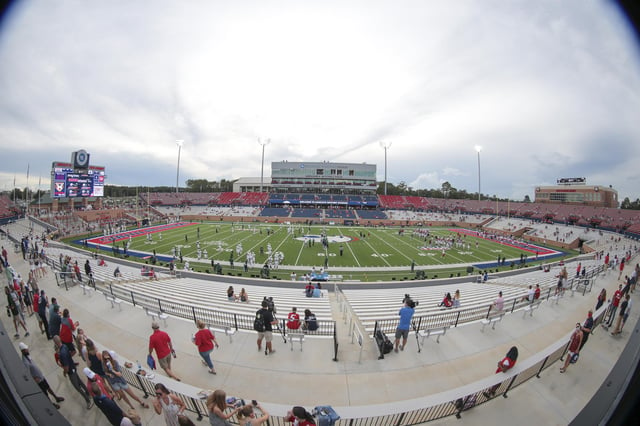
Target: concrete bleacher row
x,y
7,208
213,295
376,305
100,273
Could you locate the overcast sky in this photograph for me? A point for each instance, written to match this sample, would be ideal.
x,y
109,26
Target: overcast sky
x,y
547,88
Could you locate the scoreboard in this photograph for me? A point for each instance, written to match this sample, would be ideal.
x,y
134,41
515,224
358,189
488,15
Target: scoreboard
x,y
69,182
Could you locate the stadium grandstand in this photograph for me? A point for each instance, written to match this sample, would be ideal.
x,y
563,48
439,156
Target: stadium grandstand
x,y
383,388
466,341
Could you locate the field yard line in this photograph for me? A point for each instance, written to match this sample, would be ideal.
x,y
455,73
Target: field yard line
x,y
350,250
375,251
395,236
299,253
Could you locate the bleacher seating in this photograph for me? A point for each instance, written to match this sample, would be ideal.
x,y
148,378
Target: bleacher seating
x,y
371,214
275,212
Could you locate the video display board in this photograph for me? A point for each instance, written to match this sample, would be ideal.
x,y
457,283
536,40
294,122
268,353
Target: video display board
x,y
65,182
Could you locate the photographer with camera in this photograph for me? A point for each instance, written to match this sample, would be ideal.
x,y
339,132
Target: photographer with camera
x,y
406,314
263,325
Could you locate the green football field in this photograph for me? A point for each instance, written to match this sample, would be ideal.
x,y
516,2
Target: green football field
x,y
299,245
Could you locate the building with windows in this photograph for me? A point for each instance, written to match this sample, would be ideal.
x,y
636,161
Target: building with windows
x,y
575,191
323,177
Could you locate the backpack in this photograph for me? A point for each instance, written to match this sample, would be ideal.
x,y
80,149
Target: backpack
x,y
258,323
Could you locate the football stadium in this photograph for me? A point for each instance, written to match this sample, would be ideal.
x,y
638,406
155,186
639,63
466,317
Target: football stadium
x,y
381,213
480,277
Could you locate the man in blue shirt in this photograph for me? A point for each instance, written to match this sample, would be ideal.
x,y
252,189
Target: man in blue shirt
x,y
406,313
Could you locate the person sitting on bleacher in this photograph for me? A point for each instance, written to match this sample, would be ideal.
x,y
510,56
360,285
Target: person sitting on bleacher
x,y
293,319
447,302
116,272
244,297
310,321
308,290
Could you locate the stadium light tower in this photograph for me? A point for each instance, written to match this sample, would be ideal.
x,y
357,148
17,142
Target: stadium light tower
x,y
478,149
263,143
385,146
179,142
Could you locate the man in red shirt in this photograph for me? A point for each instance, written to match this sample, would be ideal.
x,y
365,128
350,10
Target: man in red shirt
x,y
536,293
615,302
161,342
293,319
67,327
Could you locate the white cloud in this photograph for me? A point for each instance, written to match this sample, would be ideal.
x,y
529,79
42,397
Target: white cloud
x,y
547,88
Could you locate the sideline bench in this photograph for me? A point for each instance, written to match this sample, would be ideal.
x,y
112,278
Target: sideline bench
x,y
222,329
491,320
530,308
438,331
157,315
296,336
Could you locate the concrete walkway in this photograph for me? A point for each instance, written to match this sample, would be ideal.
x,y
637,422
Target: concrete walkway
x,y
310,377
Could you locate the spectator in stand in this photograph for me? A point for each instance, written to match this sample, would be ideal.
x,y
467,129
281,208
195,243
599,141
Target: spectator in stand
x,y
168,404
615,302
244,297
574,347
107,406
94,378
87,268
402,331
447,302
248,417
504,365
300,417
536,294
623,310
498,305
43,303
602,297
13,306
456,299
118,383
76,272
64,360
530,295
269,321
626,311
216,405
67,327
310,321
293,319
205,340
117,273
161,343
37,375
231,294
586,328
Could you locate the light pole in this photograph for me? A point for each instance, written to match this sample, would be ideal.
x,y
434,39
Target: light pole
x,y
385,146
263,143
478,149
179,142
